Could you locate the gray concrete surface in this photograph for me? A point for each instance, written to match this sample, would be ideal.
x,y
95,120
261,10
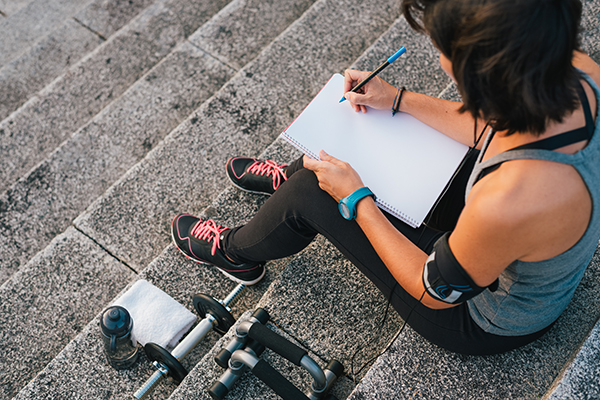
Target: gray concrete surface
x,y
580,378
47,59
106,17
32,22
242,29
62,48
9,7
87,87
63,185
49,301
590,23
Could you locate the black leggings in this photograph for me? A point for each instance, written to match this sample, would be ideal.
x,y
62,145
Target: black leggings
x,y
299,210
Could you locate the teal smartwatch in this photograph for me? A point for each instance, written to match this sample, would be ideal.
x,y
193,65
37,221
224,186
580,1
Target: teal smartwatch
x,y
347,205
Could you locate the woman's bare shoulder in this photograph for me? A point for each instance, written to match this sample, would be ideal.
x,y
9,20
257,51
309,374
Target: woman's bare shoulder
x,y
585,63
543,206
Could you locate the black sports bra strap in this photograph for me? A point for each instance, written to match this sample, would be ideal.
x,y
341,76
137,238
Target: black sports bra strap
x,y
558,141
587,111
555,142
570,137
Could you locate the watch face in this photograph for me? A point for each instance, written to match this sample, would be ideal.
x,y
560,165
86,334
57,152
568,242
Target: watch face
x,y
344,210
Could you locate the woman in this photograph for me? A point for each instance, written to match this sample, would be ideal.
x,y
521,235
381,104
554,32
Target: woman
x,y
530,224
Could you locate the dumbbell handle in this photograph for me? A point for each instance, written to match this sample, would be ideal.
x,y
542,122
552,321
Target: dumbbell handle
x,y
203,327
193,338
179,352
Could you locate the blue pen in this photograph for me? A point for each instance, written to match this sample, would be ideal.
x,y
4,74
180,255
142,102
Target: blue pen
x,y
378,70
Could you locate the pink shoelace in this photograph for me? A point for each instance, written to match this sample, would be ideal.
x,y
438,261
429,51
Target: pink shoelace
x,y
208,230
269,167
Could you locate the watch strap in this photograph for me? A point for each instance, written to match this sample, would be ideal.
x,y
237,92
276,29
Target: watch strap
x,y
353,198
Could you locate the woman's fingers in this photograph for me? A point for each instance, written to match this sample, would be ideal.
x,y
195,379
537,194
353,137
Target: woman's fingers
x,y
357,100
352,78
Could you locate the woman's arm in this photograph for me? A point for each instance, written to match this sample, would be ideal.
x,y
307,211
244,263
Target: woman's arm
x,y
402,258
443,115
440,114
587,65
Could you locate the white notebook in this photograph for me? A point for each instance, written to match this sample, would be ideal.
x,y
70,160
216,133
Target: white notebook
x,y
406,163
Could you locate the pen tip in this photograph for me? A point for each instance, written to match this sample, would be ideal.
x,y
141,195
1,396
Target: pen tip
x,y
343,98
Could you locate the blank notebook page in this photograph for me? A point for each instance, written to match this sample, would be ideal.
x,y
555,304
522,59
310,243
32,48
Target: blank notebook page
x,y
406,163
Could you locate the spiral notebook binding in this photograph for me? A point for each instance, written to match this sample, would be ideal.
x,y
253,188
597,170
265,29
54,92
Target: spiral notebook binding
x,y
300,146
397,213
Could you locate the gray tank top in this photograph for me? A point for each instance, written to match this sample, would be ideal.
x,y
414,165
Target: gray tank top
x,y
532,295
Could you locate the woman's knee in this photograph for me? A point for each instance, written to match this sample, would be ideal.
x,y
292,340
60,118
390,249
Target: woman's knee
x,y
302,182
302,192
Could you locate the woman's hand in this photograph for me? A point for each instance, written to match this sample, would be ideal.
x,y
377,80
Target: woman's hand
x,y
377,93
335,177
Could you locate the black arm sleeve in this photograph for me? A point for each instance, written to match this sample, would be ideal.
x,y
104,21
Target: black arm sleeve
x,y
445,279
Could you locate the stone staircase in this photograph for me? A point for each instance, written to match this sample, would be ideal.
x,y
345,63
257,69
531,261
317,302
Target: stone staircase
x,y
117,114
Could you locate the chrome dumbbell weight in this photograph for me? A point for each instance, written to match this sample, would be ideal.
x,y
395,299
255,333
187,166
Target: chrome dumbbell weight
x,y
217,316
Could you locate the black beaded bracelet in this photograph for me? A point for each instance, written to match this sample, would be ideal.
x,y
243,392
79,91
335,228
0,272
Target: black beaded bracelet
x,y
397,100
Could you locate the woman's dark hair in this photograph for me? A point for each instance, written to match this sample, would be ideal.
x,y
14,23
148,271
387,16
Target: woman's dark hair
x,y
512,59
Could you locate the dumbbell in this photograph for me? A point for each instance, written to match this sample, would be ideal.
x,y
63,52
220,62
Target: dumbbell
x,y
217,316
238,360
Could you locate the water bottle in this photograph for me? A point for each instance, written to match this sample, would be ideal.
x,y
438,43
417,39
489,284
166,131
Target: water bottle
x,y
116,325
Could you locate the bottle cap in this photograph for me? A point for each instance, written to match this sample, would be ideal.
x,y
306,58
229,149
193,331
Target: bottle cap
x,y
115,321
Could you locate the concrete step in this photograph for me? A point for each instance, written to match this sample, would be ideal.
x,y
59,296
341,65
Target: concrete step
x,y
9,7
66,45
243,117
31,22
28,135
63,185
47,303
106,17
24,76
65,182
146,111
579,380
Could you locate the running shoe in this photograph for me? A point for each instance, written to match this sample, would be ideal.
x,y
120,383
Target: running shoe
x,y
200,241
256,176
